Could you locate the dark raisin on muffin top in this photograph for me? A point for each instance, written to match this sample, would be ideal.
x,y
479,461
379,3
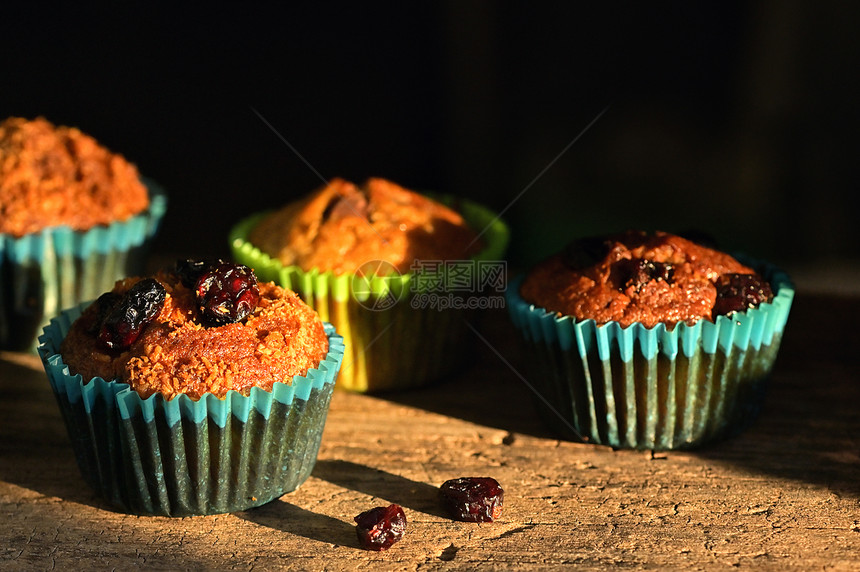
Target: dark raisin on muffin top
x,y
635,276
220,331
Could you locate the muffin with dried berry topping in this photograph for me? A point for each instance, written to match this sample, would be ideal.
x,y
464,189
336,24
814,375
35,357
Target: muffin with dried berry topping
x,y
650,341
372,259
190,346
342,226
196,391
74,218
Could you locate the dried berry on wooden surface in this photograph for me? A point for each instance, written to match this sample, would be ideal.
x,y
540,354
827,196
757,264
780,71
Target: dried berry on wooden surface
x,y
473,499
380,527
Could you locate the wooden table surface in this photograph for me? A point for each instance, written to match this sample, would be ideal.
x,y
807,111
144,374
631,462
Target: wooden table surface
x,y
785,495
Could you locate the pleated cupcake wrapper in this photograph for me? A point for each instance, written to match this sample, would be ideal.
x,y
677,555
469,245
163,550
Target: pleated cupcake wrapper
x,y
183,457
57,268
656,388
390,344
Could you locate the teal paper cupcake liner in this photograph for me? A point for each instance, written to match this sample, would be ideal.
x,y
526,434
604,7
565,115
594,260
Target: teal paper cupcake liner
x,y
45,272
183,457
393,341
657,388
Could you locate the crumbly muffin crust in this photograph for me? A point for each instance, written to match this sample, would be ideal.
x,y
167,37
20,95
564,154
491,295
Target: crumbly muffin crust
x,y
603,288
342,226
51,176
175,354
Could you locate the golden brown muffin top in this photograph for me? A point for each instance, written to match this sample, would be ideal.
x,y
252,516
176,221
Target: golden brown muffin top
x,y
636,277
176,354
52,176
342,226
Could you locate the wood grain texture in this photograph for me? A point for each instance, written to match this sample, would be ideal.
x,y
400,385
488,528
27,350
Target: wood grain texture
x,y
784,495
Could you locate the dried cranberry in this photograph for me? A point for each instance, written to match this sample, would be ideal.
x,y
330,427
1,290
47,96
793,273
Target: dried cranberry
x,y
380,527
740,292
586,252
637,272
104,304
190,270
125,318
473,499
226,293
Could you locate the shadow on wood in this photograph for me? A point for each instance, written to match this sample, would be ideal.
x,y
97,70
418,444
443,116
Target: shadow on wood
x,y
409,494
286,517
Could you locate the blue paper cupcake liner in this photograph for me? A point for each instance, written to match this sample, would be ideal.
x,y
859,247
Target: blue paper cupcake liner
x,y
657,388
45,272
392,342
183,457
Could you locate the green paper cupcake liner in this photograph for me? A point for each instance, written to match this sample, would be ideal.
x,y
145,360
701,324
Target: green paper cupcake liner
x,y
392,343
183,457
45,272
657,388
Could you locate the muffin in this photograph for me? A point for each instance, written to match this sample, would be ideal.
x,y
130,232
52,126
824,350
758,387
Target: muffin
x,y
341,227
74,218
649,341
377,262
194,391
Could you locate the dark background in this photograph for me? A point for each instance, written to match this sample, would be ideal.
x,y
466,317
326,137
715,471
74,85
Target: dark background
x,y
740,119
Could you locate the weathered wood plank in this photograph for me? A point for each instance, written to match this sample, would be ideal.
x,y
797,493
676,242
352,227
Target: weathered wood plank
x,y
785,495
